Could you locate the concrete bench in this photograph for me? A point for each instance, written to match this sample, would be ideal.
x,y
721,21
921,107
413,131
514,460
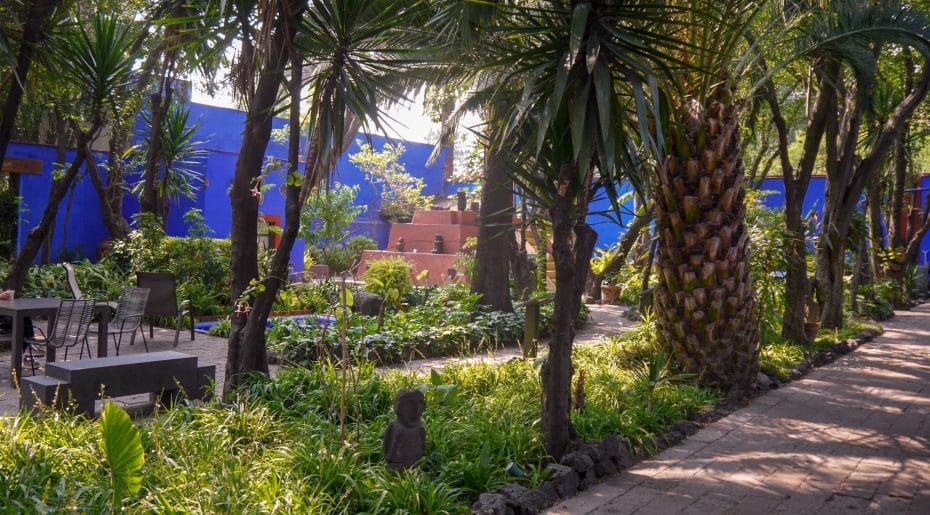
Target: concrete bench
x,y
166,376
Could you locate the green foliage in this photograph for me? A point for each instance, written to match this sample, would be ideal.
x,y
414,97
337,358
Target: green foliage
x,y
448,322
401,193
766,263
200,264
390,278
342,258
221,329
122,448
324,224
179,158
102,281
778,356
278,446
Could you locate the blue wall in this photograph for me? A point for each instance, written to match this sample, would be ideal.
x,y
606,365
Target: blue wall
x,y
221,134
609,231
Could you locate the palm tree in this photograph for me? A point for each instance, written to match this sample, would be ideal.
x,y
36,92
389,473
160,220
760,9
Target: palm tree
x,y
576,80
356,53
704,302
179,154
95,57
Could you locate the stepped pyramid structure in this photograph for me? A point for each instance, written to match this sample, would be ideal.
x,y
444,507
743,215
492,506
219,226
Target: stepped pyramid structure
x,y
430,242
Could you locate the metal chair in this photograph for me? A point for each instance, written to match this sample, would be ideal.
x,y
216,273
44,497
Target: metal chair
x,y
128,318
163,301
70,327
72,281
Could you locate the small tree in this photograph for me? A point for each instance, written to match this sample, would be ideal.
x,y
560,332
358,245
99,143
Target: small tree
x,y
326,217
401,193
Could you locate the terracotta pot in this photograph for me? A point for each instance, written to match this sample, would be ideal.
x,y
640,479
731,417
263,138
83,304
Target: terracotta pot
x,y
609,293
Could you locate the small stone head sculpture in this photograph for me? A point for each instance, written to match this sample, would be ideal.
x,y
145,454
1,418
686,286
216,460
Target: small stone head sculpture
x,y
405,439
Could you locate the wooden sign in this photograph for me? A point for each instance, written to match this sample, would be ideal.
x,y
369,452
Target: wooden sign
x,y
27,166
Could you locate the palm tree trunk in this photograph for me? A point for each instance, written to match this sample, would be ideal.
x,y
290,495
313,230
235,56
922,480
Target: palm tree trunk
x,y
703,300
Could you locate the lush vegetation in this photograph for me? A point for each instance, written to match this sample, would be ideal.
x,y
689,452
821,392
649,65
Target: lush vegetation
x,y
281,447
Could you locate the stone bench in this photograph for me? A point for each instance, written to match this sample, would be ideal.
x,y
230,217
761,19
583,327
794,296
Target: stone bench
x,y
166,376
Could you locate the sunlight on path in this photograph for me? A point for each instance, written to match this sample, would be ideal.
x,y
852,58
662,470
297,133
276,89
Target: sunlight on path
x,y
851,437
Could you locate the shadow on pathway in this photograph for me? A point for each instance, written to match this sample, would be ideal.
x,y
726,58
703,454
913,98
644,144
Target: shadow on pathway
x,y
851,437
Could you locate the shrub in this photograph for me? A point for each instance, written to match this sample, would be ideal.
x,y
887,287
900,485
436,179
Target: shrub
x,y
389,277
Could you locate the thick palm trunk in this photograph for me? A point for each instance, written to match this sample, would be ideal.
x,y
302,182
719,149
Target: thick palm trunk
x,y
492,263
39,12
572,244
704,299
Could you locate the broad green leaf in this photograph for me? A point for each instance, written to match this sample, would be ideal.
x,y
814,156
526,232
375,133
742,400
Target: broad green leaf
x,y
122,448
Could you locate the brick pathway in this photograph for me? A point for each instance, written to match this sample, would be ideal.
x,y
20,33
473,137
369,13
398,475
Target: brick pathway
x,y
852,437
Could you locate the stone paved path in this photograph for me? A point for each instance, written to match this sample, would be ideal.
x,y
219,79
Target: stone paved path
x,y
852,437
208,349
604,321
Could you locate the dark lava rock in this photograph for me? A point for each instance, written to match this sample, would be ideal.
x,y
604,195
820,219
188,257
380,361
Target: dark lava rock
x,y
491,504
565,480
579,461
685,427
519,499
367,303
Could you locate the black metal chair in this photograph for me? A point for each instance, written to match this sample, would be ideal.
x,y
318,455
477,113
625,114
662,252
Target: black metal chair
x,y
70,328
128,317
163,302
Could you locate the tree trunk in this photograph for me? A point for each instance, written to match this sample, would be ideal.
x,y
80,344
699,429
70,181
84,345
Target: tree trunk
x,y
33,35
573,242
797,285
846,179
37,234
111,196
492,259
247,353
640,221
704,302
876,232
148,201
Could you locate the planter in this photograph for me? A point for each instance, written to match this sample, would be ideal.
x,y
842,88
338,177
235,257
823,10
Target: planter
x,y
609,293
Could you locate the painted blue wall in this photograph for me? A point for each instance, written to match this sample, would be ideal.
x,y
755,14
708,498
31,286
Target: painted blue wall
x,y
221,135
609,231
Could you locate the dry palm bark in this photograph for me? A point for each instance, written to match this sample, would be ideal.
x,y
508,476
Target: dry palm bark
x,y
704,293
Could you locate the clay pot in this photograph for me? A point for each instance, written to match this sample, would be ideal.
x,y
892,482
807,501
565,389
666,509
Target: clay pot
x,y
609,293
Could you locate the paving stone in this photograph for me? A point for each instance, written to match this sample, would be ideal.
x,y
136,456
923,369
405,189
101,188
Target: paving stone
x,y
851,437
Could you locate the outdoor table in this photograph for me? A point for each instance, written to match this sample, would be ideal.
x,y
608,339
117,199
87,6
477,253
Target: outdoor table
x,y
19,309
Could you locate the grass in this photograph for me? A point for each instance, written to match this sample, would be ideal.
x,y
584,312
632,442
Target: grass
x,y
779,356
280,447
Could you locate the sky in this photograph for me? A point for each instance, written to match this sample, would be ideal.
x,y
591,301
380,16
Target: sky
x,y
407,122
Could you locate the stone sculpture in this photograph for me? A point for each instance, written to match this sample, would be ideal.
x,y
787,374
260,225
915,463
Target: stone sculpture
x,y
405,438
